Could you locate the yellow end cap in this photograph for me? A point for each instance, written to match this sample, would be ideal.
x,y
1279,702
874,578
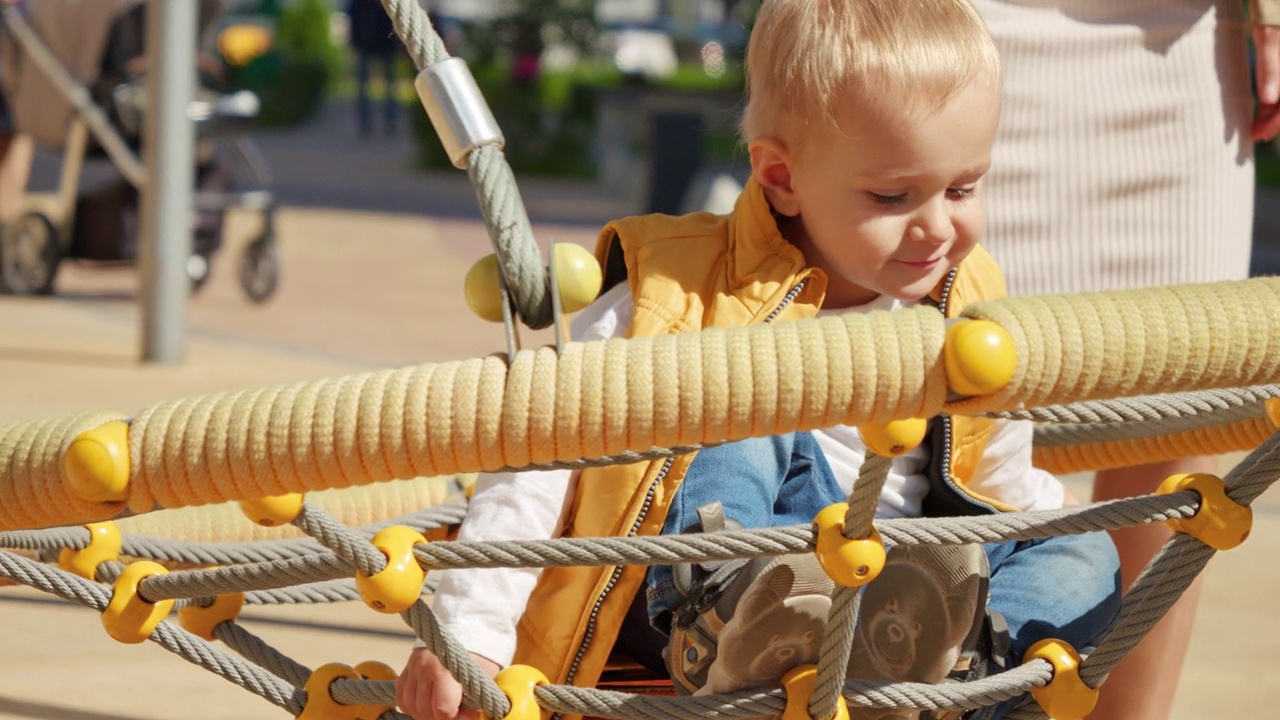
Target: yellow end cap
x,y
320,704
578,276
1066,697
517,683
129,618
482,288
104,546
894,438
798,685
200,621
273,510
848,562
96,463
397,586
979,357
1273,411
1221,523
373,670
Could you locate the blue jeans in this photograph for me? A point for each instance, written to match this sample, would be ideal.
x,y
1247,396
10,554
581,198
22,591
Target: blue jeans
x,y
1065,587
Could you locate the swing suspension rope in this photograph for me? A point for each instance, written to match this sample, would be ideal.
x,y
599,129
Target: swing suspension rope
x,y
485,415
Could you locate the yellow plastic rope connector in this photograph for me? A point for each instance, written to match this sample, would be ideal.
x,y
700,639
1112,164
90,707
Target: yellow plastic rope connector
x,y
1273,412
274,510
373,670
851,562
34,492
798,685
128,617
320,704
893,438
517,683
980,357
1066,697
96,463
396,587
104,546
1221,523
200,621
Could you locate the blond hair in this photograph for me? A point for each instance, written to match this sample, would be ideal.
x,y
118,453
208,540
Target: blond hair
x,y
806,56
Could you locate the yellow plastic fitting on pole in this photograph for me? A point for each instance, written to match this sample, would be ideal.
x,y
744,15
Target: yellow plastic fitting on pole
x,y
1066,697
96,464
979,357
517,683
129,618
798,685
374,670
104,546
851,562
397,586
578,276
200,621
482,289
1221,523
893,438
273,510
320,704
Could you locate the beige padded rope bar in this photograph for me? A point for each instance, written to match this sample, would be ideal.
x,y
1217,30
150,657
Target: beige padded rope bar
x,y
1212,440
603,398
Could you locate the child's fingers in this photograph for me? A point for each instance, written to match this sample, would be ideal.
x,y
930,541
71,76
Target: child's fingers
x,y
448,696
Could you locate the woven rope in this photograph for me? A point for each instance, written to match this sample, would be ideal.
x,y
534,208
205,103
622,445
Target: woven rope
x,y
482,415
500,203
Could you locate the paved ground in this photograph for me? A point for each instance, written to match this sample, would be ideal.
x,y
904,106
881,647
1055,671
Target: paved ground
x,y
373,258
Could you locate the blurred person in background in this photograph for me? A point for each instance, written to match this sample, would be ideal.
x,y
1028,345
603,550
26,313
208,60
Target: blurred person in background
x,y
1124,159
374,40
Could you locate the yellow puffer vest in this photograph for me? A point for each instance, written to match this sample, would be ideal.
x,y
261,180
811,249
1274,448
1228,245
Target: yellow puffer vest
x,y
688,273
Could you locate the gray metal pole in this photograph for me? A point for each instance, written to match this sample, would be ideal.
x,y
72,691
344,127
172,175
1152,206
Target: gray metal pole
x,y
168,152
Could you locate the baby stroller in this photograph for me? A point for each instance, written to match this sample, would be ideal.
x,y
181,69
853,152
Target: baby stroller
x,y
73,80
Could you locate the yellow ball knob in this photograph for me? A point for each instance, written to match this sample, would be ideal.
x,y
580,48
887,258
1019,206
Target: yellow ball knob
x,y
979,356
273,510
894,438
96,463
578,274
483,289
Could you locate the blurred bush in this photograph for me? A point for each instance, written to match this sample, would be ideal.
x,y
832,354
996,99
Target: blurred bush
x,y
292,77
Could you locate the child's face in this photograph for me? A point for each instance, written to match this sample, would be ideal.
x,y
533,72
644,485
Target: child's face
x,y
891,202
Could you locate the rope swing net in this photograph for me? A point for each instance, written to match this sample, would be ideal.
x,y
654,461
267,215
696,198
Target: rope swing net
x,y
1105,376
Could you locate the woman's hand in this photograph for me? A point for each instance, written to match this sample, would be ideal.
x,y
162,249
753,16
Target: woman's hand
x,y
1266,44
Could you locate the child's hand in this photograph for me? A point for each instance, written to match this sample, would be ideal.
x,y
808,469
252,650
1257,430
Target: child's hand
x,y
427,691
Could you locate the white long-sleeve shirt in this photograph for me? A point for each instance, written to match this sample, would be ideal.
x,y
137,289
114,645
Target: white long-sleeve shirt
x,y
482,606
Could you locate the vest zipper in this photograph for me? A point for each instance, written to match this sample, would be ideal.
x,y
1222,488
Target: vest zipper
x,y
946,419
590,633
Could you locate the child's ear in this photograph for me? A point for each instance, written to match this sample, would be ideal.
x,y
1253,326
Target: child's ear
x,y
771,165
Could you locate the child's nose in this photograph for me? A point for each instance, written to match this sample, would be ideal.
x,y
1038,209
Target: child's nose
x,y
933,224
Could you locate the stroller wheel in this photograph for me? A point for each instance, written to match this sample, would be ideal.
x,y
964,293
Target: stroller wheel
x,y
29,256
260,269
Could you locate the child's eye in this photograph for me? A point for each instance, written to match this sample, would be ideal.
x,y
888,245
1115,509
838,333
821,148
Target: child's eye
x,y
963,193
887,199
